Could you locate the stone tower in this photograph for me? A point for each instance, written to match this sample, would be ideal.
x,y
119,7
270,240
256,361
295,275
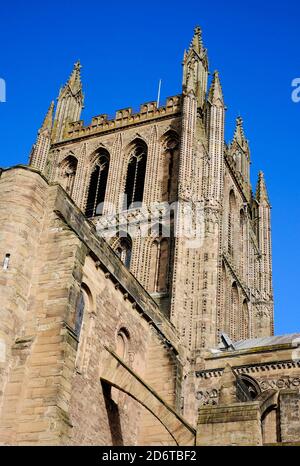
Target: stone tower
x,y
173,200
136,281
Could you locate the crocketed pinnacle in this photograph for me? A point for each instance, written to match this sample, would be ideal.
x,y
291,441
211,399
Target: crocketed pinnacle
x,y
215,94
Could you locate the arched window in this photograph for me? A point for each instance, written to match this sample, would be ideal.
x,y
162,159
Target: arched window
x,y
123,250
170,167
122,344
242,241
79,312
234,312
159,265
253,387
224,312
244,321
68,169
231,215
98,182
136,170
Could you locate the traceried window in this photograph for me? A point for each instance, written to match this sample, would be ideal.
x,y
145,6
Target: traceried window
x,y
135,178
68,169
170,167
242,240
234,312
98,182
159,265
231,223
123,250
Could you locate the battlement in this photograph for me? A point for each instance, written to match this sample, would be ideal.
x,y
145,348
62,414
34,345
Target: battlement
x,y
124,117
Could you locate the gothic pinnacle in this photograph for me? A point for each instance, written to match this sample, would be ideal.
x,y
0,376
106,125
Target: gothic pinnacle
x,y
215,94
239,135
197,40
75,80
261,189
48,120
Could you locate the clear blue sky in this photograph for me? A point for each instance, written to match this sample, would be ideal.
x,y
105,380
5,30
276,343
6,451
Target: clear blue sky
x,y
126,46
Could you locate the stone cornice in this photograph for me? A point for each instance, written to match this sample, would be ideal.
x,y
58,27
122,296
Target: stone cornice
x,y
250,368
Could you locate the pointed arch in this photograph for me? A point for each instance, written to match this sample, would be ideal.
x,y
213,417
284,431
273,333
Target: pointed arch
x,y
135,176
67,173
83,305
231,223
169,166
242,240
123,248
224,314
98,183
244,321
159,260
159,266
234,312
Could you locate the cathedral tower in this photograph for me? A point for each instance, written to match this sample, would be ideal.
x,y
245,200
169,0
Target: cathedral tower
x,y
173,200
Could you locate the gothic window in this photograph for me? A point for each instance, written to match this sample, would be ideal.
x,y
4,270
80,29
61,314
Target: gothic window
x,y
68,172
242,241
238,161
244,322
234,314
79,312
123,250
252,386
170,167
159,265
98,182
231,225
135,178
223,317
83,327
122,344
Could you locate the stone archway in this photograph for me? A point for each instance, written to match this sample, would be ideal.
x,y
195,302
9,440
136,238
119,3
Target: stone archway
x,y
118,374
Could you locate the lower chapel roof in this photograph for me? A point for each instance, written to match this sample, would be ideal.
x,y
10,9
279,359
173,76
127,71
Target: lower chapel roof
x,y
292,339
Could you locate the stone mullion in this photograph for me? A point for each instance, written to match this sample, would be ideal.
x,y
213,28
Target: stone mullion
x,y
147,243
84,195
113,184
136,260
78,184
152,173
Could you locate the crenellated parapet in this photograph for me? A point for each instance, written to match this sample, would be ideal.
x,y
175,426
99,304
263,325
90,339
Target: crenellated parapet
x,y
124,118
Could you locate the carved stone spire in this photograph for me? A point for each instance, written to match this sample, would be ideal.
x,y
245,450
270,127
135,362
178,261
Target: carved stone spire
x,y
40,150
197,44
215,130
48,120
261,190
215,95
69,103
74,81
239,135
195,68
